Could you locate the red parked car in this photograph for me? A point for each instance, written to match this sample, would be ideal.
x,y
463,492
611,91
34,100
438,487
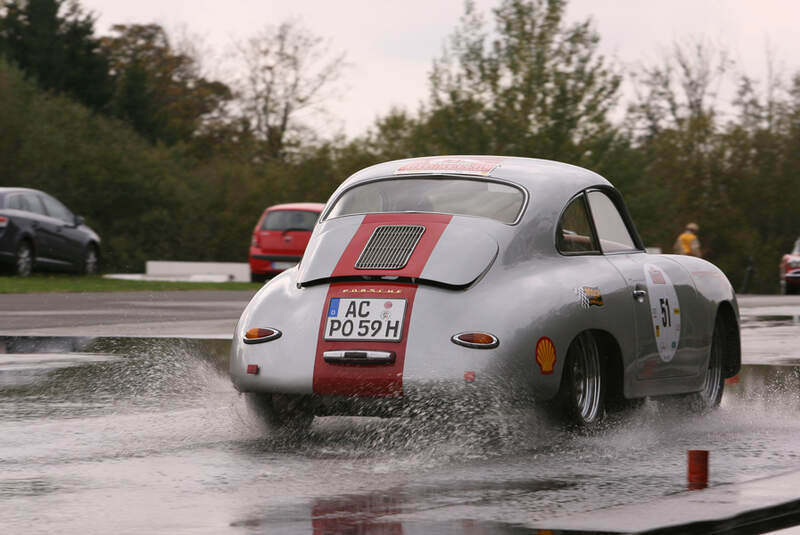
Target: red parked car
x,y
280,238
790,270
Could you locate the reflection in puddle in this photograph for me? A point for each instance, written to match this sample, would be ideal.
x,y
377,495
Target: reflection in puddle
x,y
381,513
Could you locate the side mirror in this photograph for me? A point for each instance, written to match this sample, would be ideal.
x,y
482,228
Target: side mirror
x,y
78,220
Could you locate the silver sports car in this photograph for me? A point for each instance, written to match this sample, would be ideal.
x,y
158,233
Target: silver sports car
x,y
453,278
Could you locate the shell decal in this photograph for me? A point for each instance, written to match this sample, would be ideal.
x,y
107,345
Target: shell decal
x,y
546,355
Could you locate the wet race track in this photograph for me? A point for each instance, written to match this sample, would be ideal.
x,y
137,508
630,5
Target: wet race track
x,y
135,436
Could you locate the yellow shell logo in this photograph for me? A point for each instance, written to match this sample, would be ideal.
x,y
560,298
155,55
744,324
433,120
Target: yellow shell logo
x,y
546,355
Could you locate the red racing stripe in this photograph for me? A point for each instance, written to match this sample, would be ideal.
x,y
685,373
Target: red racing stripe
x,y
381,380
434,226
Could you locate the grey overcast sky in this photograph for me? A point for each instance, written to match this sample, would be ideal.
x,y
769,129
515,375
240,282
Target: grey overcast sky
x,y
391,44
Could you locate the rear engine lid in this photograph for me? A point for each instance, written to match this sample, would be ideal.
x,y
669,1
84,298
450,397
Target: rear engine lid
x,y
425,247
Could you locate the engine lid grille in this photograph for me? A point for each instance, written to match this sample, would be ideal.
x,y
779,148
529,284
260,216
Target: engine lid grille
x,y
390,247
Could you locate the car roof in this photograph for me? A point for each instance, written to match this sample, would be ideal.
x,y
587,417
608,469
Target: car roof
x,y
18,190
529,172
311,206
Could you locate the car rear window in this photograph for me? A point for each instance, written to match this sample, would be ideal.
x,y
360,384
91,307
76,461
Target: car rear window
x,y
284,220
457,196
17,202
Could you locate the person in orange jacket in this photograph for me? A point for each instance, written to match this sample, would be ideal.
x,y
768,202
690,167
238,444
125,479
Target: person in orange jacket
x,y
687,243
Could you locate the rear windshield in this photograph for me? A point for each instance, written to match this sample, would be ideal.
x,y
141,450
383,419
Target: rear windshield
x,y
458,196
290,220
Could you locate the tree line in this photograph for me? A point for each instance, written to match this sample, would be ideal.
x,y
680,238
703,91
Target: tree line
x,y
166,162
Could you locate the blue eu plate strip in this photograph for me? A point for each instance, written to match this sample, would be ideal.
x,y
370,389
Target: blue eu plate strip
x,y
333,309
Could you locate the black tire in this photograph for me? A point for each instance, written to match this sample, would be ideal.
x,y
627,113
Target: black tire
x,y
581,398
91,261
282,413
23,259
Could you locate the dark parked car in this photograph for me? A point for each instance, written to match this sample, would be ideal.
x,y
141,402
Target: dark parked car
x,y
39,232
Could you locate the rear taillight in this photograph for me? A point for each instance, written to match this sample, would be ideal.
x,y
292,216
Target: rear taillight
x,y
259,335
476,340
3,221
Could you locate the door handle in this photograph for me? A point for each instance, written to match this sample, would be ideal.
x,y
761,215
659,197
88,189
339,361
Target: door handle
x,y
639,295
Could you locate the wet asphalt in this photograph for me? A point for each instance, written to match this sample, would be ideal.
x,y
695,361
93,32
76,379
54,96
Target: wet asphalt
x,y
133,435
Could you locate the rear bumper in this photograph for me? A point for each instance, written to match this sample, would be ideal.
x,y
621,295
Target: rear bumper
x,y
792,278
270,264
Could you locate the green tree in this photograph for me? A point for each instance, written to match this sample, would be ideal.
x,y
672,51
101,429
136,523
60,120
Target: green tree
x,y
288,71
160,90
535,87
53,41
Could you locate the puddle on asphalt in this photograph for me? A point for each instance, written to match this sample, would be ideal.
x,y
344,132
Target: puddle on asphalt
x,y
155,365
770,320
759,383
73,376
169,420
378,512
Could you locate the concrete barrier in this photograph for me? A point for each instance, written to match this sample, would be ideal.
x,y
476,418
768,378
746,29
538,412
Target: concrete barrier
x,y
223,271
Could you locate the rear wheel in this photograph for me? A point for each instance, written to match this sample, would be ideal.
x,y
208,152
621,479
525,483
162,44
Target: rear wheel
x,y
280,412
710,395
581,397
23,261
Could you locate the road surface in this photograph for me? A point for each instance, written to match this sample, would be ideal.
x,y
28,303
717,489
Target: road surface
x,y
134,435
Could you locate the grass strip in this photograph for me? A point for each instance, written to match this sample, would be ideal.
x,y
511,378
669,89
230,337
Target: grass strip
x,y
69,283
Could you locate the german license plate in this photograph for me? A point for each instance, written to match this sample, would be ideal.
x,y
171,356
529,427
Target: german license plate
x,y
365,319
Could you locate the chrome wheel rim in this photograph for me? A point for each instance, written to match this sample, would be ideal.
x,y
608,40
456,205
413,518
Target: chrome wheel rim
x,y
587,378
711,383
24,260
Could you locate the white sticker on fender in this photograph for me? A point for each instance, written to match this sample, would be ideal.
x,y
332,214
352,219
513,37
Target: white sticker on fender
x,y
665,311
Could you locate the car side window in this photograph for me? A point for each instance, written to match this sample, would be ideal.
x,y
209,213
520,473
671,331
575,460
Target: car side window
x,y
575,233
33,203
56,209
611,228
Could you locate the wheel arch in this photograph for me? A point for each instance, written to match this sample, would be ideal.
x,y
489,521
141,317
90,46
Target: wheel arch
x,y
611,353
731,337
96,246
29,239
26,237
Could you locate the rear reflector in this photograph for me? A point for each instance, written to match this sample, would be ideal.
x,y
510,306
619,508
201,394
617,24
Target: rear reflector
x,y
476,340
252,369
469,377
256,335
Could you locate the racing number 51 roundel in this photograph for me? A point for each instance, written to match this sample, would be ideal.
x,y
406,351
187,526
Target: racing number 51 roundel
x,y
665,311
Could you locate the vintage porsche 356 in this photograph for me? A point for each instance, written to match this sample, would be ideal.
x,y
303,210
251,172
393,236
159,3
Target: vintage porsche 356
x,y
455,275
